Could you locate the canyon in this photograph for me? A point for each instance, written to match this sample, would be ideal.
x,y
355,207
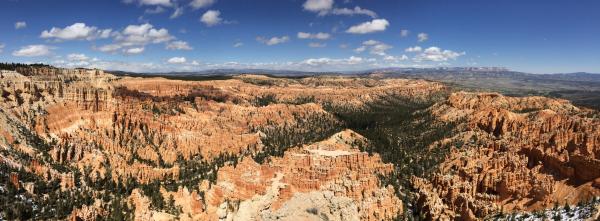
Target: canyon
x,y
84,144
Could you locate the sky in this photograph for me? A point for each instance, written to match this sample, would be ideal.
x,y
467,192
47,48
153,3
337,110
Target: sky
x,y
536,36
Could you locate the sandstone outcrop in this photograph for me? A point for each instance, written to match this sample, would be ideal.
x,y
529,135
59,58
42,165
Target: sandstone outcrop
x,y
517,154
330,178
197,142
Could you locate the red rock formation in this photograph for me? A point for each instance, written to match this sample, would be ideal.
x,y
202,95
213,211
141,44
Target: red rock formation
x,y
14,180
516,154
332,165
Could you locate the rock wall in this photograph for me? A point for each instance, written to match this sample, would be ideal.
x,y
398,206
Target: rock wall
x,y
516,154
332,172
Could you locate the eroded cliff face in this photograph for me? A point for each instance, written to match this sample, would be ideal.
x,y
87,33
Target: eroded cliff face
x,y
515,154
330,178
259,148
95,131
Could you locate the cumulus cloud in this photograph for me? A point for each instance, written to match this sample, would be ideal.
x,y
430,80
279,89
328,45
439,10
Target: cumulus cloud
x,y
2,48
20,25
316,45
33,51
404,33
376,25
177,60
422,37
133,38
436,54
77,31
273,40
196,4
178,45
354,11
77,57
413,49
211,18
132,51
374,47
320,6
142,35
320,35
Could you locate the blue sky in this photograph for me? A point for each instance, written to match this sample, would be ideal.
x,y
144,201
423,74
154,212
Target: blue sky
x,y
538,36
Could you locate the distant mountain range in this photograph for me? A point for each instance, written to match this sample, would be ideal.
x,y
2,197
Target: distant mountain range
x,y
580,87
395,71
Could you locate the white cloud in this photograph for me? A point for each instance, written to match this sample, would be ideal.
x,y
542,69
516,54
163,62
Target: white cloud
x,y
316,45
375,47
320,62
404,33
177,60
178,45
320,35
134,50
375,25
119,65
391,58
176,13
196,4
320,6
422,37
360,49
354,60
273,40
77,31
133,39
353,63
110,48
166,3
77,57
380,49
142,35
211,18
355,11
436,54
156,10
413,49
2,48
137,29
370,42
33,51
238,44
106,33
20,25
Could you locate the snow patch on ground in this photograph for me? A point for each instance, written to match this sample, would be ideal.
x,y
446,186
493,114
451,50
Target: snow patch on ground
x,y
330,153
586,211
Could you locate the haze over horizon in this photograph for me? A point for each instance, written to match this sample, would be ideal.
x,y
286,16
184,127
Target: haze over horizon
x,y
304,35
